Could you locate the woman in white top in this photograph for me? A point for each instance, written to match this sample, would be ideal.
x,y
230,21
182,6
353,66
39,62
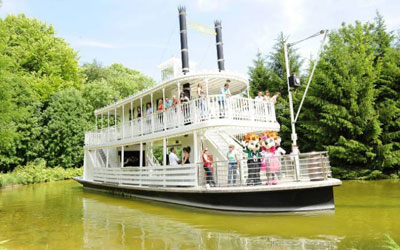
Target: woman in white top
x,y
259,97
201,95
267,97
200,90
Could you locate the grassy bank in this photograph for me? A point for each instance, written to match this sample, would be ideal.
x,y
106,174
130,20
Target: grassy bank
x,y
36,172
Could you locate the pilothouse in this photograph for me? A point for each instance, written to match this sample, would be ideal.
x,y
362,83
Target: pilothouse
x,y
198,139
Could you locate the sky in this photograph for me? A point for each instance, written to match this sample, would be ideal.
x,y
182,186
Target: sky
x,y
142,34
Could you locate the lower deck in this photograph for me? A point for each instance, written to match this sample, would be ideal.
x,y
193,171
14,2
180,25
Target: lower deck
x,y
283,198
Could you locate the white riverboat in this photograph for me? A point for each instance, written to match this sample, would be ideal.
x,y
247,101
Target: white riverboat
x,y
128,154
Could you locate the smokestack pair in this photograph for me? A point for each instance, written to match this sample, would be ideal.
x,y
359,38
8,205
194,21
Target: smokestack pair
x,y
184,44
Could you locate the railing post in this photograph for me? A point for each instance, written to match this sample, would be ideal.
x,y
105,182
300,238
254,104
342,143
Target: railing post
x,y
108,125
152,114
122,156
141,163
131,119
195,156
194,111
273,116
164,114
297,166
142,116
164,158
267,111
115,124
251,109
123,122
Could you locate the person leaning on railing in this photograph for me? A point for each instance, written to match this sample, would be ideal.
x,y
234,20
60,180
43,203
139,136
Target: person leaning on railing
x,y
201,95
186,155
149,112
160,109
259,96
224,92
185,109
275,97
207,168
267,97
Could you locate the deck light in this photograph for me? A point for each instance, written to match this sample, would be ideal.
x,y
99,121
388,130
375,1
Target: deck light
x,y
294,80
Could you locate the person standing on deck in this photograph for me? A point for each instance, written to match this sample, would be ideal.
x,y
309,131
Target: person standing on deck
x,y
168,103
232,164
149,112
173,159
185,108
175,101
186,155
224,92
267,97
259,97
201,95
207,168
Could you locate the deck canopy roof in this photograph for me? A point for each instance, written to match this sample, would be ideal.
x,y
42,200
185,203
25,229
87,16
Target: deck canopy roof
x,y
215,80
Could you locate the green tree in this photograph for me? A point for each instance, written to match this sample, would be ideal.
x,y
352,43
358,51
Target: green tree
x,y
65,121
100,93
387,102
8,114
339,112
38,65
39,55
122,79
259,75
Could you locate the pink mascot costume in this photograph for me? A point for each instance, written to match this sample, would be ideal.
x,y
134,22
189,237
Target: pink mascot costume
x,y
272,163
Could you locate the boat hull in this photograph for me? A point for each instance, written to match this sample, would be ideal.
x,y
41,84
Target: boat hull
x,y
288,200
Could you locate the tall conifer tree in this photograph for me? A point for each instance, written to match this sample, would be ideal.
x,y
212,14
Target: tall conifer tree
x,y
340,114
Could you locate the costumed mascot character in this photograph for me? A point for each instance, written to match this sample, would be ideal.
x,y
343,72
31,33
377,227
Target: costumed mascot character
x,y
263,152
272,162
252,149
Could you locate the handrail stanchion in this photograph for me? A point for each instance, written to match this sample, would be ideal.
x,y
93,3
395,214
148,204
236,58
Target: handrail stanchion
x,y
141,116
131,119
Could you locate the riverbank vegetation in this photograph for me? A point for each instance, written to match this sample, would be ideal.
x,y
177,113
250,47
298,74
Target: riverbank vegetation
x,y
353,107
47,99
36,172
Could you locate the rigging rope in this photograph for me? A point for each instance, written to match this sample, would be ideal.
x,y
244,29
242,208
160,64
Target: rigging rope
x,y
313,69
169,40
205,54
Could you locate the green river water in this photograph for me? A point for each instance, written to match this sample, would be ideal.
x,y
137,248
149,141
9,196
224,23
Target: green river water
x,y
61,215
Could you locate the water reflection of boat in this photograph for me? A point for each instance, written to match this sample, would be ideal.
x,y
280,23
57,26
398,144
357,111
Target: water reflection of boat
x,y
109,226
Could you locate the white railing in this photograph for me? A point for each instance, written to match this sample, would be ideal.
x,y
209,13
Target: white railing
x,y
313,167
198,110
181,176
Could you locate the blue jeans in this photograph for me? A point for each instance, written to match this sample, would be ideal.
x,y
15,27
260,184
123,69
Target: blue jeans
x,y
232,172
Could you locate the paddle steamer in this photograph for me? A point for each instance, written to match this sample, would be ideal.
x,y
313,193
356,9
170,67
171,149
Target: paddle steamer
x,y
128,153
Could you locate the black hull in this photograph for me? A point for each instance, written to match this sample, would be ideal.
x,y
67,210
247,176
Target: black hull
x,y
292,200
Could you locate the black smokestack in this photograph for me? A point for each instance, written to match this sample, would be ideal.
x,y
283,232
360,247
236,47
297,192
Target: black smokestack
x,y
184,44
220,50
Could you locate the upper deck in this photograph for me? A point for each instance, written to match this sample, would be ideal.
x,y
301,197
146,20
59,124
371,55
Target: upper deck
x,y
122,121
212,81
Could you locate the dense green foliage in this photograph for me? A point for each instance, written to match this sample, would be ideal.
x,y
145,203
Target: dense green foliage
x,y
36,172
65,121
115,81
352,108
47,99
